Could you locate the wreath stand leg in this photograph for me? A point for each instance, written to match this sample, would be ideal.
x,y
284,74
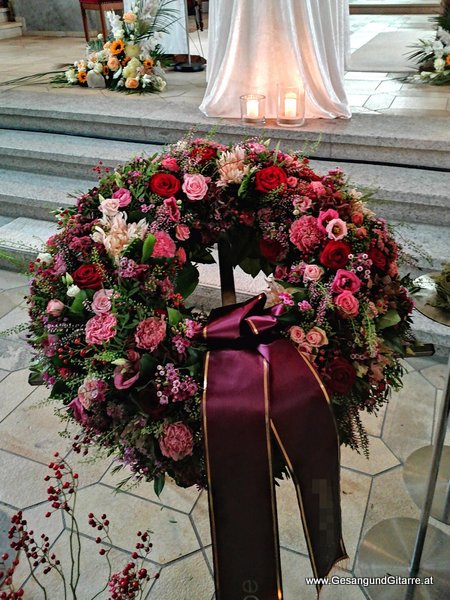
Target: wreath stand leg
x,y
226,273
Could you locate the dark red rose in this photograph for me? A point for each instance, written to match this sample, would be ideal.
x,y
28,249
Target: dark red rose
x,y
341,376
378,258
270,178
203,153
87,277
335,254
165,185
270,249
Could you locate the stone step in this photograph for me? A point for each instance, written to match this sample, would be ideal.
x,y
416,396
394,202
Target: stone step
x,y
358,7
34,195
4,14
64,155
165,118
10,29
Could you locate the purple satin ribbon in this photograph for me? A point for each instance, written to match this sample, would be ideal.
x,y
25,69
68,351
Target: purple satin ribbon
x,y
259,391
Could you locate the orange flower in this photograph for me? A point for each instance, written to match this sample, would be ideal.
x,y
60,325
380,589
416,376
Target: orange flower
x,y
117,46
105,70
447,60
148,63
82,77
126,61
131,83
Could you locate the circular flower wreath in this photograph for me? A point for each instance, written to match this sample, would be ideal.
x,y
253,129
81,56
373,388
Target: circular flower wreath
x,y
112,332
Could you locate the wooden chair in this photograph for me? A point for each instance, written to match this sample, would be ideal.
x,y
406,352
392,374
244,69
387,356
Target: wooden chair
x,y
100,6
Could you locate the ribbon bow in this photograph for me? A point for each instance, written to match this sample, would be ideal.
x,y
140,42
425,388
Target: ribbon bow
x,y
259,391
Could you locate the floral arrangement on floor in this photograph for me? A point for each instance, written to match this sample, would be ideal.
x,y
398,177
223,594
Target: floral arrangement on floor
x,y
122,352
42,559
433,56
442,281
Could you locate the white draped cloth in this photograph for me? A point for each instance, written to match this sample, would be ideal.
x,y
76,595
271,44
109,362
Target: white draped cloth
x,y
255,44
174,41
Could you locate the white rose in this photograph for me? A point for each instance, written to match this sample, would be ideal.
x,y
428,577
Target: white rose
x,y
70,75
98,67
73,290
159,83
119,34
44,258
439,64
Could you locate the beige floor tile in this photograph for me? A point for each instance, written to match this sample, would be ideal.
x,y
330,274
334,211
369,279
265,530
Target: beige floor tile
x,y
380,458
355,490
9,299
390,85
173,496
357,99
437,375
21,481
173,535
373,422
18,316
14,389
186,579
32,429
437,418
10,280
424,103
379,101
200,516
409,416
89,468
364,75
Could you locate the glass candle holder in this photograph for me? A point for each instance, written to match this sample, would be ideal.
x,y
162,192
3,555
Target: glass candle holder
x,y
291,106
253,108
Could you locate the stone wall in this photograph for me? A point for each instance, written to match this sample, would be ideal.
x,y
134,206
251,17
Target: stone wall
x,y
53,15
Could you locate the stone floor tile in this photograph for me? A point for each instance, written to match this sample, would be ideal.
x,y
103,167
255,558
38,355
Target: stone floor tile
x,y
437,375
172,496
360,86
10,299
32,429
90,469
380,458
14,354
389,85
14,389
413,102
16,316
364,75
409,416
355,490
419,363
16,476
357,99
10,280
186,579
173,535
437,416
5,515
289,519
408,366
3,374
388,498
200,517
379,101
373,422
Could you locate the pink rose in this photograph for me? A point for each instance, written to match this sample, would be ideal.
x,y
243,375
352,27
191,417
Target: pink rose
x,y
347,304
101,302
292,181
126,375
345,281
170,164
336,229
297,334
109,206
150,333
54,308
325,217
182,232
177,441
100,328
312,272
318,188
305,234
91,391
195,186
316,337
302,203
172,208
123,196
164,246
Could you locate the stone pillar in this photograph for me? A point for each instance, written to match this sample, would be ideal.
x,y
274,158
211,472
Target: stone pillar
x,y
445,8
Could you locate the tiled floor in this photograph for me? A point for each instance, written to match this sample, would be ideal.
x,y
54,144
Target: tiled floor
x,y
372,490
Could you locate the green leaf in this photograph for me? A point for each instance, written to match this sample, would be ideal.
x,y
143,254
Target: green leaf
x,y
174,316
59,389
187,280
203,255
118,179
242,191
148,246
389,319
158,484
148,365
77,305
252,266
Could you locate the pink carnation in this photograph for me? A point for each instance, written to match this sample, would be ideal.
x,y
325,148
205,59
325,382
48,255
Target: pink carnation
x,y
305,234
91,391
345,281
100,328
347,304
124,197
150,333
177,441
164,246
195,186
101,302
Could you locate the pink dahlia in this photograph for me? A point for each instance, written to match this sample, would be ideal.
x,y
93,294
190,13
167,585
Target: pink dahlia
x,y
305,233
150,333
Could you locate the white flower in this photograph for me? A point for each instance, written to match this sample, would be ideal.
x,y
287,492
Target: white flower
x,y
425,74
231,166
71,75
98,67
73,290
118,33
100,36
159,83
91,64
439,64
45,258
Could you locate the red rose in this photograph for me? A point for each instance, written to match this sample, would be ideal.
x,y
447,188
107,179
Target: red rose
x,y
378,258
87,277
165,185
270,249
341,376
335,254
270,178
203,153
